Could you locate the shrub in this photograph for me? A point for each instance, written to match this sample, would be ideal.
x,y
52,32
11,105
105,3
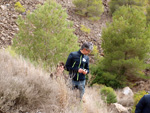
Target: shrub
x,y
108,95
108,79
85,29
28,88
19,7
115,4
45,35
91,8
137,98
100,76
126,43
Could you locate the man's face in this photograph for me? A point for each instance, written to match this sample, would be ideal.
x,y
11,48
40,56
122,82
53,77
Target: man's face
x,y
86,51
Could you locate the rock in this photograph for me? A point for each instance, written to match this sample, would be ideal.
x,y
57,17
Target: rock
x,y
12,34
2,38
139,82
126,101
24,13
117,108
7,5
16,29
125,97
14,16
40,1
3,7
127,91
99,34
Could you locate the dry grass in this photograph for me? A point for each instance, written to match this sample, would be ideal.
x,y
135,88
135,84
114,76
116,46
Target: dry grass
x,y
25,88
93,102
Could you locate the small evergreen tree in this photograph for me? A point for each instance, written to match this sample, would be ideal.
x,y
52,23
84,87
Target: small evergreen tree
x,y
108,95
126,43
91,8
46,35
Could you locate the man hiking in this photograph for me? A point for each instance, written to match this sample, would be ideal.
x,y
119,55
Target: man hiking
x,y
78,66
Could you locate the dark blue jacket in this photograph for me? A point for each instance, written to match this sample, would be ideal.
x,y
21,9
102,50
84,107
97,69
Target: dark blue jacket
x,y
144,105
75,61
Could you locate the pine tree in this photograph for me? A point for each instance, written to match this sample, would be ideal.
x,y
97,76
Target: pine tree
x,y
126,42
46,35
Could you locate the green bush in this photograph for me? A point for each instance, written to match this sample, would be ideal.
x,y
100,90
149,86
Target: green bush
x,y
90,8
19,7
85,29
115,4
108,79
126,43
100,76
137,98
108,95
45,35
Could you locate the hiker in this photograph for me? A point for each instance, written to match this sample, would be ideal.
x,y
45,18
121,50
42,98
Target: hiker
x,y
59,71
143,105
60,68
78,66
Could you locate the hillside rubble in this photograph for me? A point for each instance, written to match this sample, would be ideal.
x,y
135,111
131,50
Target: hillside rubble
x,y
8,16
143,85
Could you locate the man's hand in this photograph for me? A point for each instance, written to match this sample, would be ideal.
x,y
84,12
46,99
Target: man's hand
x,y
80,70
84,72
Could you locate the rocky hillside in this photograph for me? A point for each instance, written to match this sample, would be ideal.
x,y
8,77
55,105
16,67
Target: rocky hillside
x,y
8,26
8,16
